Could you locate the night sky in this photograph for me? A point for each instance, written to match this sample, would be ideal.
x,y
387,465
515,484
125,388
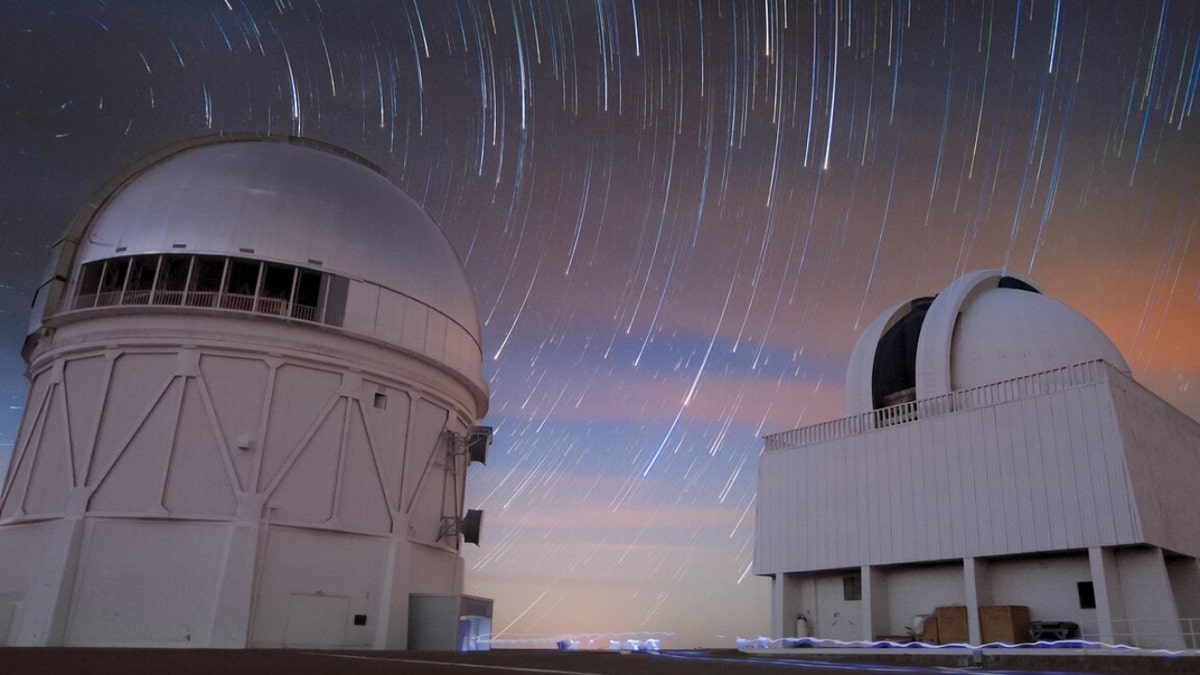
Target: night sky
x,y
676,217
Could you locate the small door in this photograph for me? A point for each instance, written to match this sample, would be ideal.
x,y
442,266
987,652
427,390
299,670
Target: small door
x,y
316,620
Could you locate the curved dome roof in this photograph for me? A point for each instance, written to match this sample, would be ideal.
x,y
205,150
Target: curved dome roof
x,y
1005,333
985,327
271,199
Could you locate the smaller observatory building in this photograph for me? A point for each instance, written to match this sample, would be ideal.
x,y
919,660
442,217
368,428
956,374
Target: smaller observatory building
x,y
255,380
1000,472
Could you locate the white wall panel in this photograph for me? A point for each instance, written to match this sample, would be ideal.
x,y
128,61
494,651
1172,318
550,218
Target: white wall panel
x,y
920,590
1165,467
388,427
416,319
435,337
362,306
308,563
389,319
1046,585
423,479
434,570
1151,617
835,617
237,392
84,379
362,504
24,451
305,493
139,464
146,583
140,378
298,398
1184,574
199,479
50,471
1014,477
25,558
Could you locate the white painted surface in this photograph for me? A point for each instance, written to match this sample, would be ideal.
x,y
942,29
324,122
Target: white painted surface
x,y
976,333
1005,333
876,603
937,343
1034,474
318,453
1184,574
794,596
297,567
1046,585
145,583
316,621
289,203
859,398
920,590
433,621
1151,617
201,477
835,617
1024,476
1163,446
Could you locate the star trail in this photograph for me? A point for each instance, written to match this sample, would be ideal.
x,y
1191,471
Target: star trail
x,y
675,216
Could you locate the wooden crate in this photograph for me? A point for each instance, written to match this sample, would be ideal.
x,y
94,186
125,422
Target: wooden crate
x,y
929,631
951,624
1004,623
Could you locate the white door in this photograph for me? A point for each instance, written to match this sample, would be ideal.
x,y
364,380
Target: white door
x,y
316,620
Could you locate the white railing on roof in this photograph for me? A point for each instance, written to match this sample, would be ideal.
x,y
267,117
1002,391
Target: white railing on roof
x,y
217,300
1036,384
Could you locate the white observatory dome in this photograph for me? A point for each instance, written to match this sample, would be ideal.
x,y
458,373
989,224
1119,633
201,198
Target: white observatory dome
x,y
985,327
1005,333
286,228
291,203
255,388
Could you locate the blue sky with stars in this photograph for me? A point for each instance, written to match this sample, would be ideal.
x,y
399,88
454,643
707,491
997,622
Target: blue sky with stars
x,y
676,217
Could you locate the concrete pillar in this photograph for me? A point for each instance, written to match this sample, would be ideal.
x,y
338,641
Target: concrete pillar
x,y
876,615
235,590
792,595
777,583
1149,603
392,628
978,592
1185,583
1106,586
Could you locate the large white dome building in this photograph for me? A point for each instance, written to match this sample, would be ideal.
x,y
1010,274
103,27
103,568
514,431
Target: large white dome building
x,y
999,463
255,379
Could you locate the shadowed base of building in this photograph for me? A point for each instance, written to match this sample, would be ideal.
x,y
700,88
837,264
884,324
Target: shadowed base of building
x,y
66,661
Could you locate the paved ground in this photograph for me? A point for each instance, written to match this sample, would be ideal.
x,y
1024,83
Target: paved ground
x,y
24,661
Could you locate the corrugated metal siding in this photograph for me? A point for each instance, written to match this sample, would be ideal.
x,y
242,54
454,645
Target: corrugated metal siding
x,y
1041,473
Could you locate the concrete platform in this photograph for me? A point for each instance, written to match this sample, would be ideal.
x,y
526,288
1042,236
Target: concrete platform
x,y
1032,659
68,661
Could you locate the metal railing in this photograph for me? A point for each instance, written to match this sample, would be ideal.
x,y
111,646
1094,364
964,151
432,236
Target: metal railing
x,y
983,396
239,302
1183,633
1157,633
